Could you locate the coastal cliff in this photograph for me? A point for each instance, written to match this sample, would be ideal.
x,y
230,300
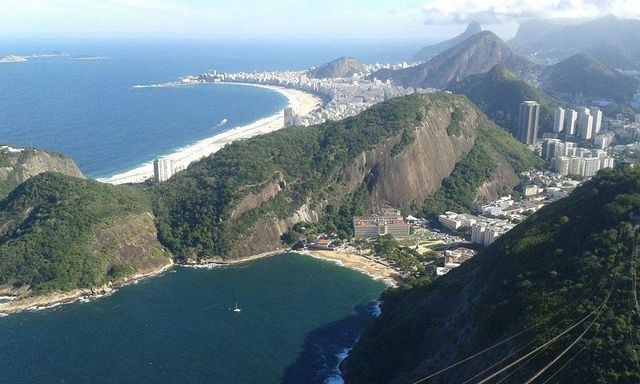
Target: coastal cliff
x,y
398,154
62,237
17,165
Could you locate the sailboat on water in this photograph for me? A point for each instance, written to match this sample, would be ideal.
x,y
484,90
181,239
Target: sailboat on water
x,y
236,309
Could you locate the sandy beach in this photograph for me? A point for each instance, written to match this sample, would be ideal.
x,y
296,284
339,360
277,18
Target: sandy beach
x,y
346,259
375,270
30,303
303,103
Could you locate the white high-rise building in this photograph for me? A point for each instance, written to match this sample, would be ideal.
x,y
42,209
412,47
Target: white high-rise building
x,y
561,165
570,120
590,166
528,121
288,117
477,233
585,124
558,122
163,169
597,119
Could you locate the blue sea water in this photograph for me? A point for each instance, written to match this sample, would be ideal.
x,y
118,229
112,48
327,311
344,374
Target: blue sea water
x,y
89,110
298,316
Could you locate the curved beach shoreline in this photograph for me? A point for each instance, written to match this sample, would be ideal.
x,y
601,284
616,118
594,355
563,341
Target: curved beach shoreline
x,y
303,103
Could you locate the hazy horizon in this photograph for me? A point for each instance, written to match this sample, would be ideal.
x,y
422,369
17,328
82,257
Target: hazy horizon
x,y
284,19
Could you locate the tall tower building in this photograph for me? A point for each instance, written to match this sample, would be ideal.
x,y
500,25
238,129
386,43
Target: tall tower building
x,y
585,124
288,116
558,122
528,122
597,120
163,169
570,120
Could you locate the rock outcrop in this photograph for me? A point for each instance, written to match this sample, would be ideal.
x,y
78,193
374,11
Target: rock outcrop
x,y
18,165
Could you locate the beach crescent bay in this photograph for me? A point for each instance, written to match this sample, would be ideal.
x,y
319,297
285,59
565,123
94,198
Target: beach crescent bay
x,y
301,102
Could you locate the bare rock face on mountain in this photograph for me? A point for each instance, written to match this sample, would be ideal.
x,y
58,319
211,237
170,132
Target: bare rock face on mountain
x,y
341,67
20,164
477,54
430,51
399,153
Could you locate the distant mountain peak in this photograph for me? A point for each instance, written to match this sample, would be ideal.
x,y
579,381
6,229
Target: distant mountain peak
x,y
433,50
473,28
344,66
476,54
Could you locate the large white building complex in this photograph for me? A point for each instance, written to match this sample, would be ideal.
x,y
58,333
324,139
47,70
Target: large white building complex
x,y
569,159
585,122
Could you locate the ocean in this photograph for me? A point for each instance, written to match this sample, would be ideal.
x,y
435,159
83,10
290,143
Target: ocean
x,y
89,110
299,315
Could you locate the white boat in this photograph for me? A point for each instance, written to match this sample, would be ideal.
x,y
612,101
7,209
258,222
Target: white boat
x,y
236,309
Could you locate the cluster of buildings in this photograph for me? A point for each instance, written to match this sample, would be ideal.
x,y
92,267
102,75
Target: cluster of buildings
x,y
343,97
584,123
499,216
484,230
569,159
454,258
390,222
547,186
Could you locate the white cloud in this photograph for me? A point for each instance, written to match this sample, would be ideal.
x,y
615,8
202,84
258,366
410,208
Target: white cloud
x,y
500,11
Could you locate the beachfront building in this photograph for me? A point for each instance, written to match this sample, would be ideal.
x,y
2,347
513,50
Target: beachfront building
x,y
288,117
163,169
388,223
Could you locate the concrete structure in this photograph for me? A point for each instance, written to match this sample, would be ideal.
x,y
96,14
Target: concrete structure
x,y
528,122
603,141
450,220
288,117
561,165
590,166
163,169
551,148
570,120
597,120
558,121
585,124
389,223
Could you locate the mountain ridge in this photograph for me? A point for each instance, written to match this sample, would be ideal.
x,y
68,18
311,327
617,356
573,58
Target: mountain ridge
x,y
430,51
477,54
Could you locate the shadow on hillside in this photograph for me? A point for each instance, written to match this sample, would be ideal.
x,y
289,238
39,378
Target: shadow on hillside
x,y
324,348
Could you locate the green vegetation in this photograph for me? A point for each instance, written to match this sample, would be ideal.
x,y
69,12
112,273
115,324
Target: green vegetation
x,y
13,160
47,226
219,203
454,128
586,76
16,167
565,262
407,259
459,190
498,93
194,208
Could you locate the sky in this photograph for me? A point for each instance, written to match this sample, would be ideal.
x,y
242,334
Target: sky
x,y
286,19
